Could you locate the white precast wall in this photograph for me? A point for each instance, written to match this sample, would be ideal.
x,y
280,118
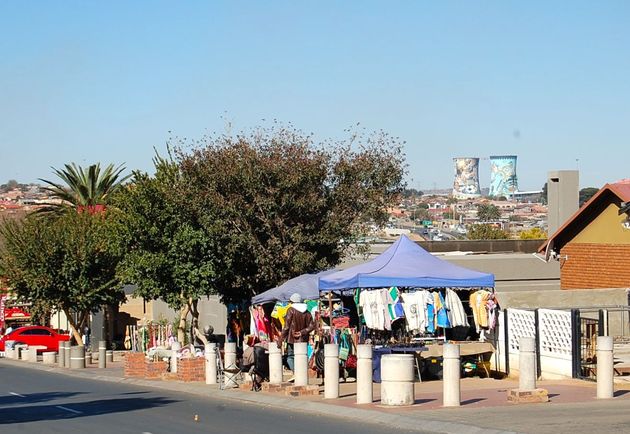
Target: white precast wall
x,y
521,323
554,334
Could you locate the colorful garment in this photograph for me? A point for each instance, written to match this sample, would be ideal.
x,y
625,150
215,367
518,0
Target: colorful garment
x,y
442,312
280,311
395,309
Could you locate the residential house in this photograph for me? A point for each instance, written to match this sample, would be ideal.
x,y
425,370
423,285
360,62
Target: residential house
x,y
593,245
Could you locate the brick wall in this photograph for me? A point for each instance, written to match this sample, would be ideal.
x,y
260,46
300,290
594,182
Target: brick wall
x,y
595,266
155,369
135,365
191,369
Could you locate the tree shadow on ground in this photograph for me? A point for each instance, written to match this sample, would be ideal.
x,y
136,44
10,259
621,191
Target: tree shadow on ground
x,y
620,393
33,398
30,413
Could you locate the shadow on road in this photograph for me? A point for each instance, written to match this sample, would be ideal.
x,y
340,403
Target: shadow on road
x,y
35,413
35,397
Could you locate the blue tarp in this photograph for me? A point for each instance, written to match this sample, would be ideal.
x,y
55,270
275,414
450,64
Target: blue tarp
x,y
406,264
305,285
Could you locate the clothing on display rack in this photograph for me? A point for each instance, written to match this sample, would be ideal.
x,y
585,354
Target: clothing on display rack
x,y
456,313
484,306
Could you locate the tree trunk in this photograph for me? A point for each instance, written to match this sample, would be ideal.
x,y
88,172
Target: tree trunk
x,y
75,326
181,328
195,323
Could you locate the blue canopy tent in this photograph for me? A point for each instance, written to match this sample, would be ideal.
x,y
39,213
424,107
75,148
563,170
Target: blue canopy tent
x,y
305,285
405,264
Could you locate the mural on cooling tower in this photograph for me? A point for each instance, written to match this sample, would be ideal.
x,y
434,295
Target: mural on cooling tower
x,y
466,182
503,181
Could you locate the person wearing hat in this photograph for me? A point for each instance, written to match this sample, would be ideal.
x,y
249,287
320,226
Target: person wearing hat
x,y
298,323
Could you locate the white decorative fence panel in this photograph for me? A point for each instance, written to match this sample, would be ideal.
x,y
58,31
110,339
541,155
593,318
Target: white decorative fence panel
x,y
521,323
554,334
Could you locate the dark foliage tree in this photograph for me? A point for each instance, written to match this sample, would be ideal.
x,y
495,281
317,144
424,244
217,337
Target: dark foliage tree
x,y
277,205
586,194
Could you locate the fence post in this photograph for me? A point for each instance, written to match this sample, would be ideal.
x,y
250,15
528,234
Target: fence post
x,y
602,326
537,343
506,339
576,337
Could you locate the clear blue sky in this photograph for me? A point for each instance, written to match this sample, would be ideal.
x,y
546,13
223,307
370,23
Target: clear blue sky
x,y
107,81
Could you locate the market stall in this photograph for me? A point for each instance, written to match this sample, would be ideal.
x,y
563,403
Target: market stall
x,y
408,297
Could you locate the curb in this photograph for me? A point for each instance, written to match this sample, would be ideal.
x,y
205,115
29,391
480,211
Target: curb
x,y
330,410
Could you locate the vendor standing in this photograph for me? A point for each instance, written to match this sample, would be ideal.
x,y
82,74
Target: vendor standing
x,y
298,323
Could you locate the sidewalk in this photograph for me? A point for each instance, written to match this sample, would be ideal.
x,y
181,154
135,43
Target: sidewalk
x,y
484,409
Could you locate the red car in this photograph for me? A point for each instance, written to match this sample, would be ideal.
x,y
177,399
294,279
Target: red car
x,y
35,335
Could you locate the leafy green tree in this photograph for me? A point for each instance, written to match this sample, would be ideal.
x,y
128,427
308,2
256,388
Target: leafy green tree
x,y
167,254
488,212
543,196
486,232
85,188
279,205
586,194
66,262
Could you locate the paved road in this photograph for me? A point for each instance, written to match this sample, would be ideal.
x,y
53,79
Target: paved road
x,y
33,401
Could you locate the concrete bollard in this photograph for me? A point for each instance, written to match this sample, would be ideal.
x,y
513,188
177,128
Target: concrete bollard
x,y
60,359
527,391
605,367
102,349
109,356
451,369
9,351
24,353
32,354
331,371
527,364
229,362
66,354
365,394
301,364
175,347
275,364
77,357
210,351
48,357
397,379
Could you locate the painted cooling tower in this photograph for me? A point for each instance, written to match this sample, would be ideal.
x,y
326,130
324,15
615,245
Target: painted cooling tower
x,y
466,182
503,180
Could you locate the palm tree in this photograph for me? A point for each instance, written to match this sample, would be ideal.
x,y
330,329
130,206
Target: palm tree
x,y
86,188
